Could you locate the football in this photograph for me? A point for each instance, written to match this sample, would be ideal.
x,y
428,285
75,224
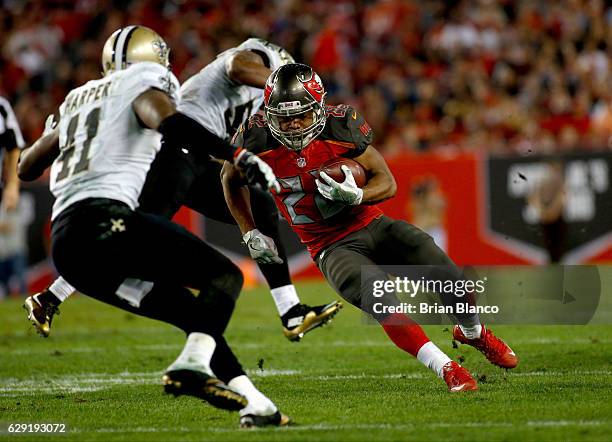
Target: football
x,y
333,169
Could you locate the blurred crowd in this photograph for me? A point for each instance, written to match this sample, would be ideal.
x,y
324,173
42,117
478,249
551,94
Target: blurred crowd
x,y
503,76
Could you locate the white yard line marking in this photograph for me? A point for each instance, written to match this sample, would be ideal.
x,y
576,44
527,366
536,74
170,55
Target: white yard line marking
x,y
331,427
88,382
312,344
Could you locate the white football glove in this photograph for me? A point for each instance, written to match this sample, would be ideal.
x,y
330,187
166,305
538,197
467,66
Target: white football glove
x,y
261,247
346,192
256,170
50,124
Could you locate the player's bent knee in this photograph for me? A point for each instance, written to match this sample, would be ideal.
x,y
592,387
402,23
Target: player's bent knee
x,y
229,282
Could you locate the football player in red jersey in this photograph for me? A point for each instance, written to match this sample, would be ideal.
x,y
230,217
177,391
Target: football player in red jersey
x,y
339,222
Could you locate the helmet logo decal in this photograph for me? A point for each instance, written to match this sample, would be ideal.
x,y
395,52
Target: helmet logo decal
x,y
314,87
160,48
268,91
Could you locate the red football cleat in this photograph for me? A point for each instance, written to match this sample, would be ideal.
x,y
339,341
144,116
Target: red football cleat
x,y
458,378
494,349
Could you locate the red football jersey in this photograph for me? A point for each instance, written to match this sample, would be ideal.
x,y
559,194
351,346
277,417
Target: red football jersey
x,y
318,221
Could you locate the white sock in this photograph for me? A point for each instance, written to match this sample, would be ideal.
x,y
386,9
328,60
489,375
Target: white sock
x,y
472,332
61,289
433,358
196,354
285,297
259,404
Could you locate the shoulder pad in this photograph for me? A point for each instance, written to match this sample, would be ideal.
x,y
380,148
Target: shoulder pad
x,y
255,136
346,125
145,75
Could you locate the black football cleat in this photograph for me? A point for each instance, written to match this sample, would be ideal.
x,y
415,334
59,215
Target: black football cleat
x,y
277,419
40,312
203,386
302,318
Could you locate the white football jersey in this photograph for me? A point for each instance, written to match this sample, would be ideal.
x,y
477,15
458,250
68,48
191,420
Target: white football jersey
x,y
105,152
219,104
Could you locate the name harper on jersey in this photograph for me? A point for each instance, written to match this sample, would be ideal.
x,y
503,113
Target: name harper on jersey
x,y
74,101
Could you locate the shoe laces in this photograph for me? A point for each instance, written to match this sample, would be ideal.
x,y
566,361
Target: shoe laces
x,y
454,373
299,310
51,310
490,344
47,309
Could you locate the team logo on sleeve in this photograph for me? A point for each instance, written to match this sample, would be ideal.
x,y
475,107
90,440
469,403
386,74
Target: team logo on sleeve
x,y
160,48
268,90
168,85
365,128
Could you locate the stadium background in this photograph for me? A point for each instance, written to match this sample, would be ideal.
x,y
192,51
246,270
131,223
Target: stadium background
x,y
471,102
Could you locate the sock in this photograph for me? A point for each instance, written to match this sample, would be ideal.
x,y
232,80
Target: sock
x,y
404,333
433,358
61,289
258,403
285,297
471,332
196,354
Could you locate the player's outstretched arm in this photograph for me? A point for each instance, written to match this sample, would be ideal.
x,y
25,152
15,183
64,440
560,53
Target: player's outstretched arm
x,y
261,247
248,68
156,110
237,197
35,159
381,185
10,194
152,107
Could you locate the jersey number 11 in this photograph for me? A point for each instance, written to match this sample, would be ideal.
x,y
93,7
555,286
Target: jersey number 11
x,y
67,151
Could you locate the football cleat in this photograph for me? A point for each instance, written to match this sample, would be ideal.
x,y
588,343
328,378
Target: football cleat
x,y
302,318
203,386
40,313
277,419
458,378
494,349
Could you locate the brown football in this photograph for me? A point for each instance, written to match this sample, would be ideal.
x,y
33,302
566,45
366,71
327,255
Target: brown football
x,y
333,169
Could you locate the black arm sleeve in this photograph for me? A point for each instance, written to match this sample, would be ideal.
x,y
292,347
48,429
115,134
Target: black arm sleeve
x,y
180,131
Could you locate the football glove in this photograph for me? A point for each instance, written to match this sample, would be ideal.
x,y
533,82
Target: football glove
x,y
256,170
261,247
50,124
345,192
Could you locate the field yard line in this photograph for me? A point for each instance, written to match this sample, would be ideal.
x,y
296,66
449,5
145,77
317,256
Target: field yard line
x,y
332,427
84,382
312,343
89,382
564,423
126,378
83,330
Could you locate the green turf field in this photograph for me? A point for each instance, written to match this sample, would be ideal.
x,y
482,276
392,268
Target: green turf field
x,y
100,371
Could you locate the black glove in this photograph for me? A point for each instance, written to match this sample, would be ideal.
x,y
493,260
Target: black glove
x,y
256,170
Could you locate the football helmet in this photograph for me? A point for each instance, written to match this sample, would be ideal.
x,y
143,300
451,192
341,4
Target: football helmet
x,y
284,56
291,90
133,44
